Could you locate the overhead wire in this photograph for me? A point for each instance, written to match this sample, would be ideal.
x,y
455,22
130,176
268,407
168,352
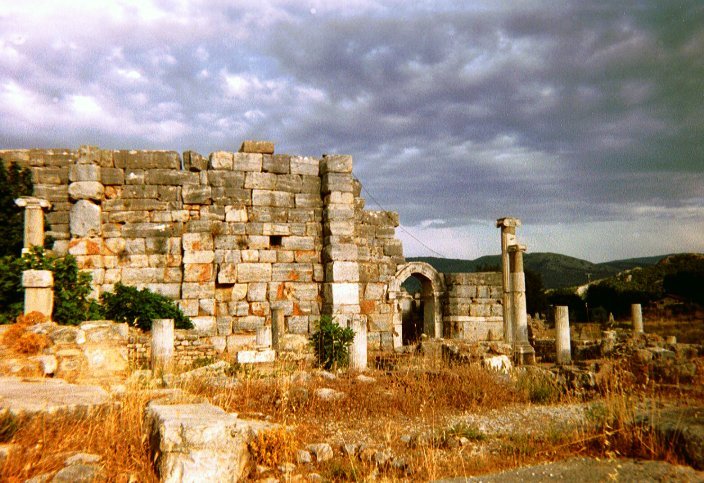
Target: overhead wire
x,y
371,196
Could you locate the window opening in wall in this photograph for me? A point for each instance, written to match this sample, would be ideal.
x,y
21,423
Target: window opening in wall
x,y
276,240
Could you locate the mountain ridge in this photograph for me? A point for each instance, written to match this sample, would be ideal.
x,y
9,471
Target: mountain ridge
x,y
557,270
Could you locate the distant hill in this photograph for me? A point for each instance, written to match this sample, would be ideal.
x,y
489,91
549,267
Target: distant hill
x,y
557,270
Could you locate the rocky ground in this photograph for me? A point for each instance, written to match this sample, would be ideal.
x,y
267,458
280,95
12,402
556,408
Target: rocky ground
x,y
409,418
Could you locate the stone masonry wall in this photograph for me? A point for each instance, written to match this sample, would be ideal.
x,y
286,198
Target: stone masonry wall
x,y
230,236
380,254
472,307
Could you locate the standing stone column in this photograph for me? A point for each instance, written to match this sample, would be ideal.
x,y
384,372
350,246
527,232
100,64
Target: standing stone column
x,y
340,255
523,352
637,318
38,284
277,328
162,345
38,291
508,238
33,220
264,336
562,335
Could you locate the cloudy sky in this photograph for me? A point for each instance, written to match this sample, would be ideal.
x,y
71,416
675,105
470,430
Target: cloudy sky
x,y
585,119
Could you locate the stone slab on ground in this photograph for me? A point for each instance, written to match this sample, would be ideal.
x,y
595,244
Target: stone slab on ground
x,y
591,470
52,396
199,442
684,428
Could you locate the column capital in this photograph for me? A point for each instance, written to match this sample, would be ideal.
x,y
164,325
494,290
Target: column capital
x,y
32,202
508,221
517,248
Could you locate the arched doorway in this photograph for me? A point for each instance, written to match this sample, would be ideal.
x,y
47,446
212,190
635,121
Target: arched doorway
x,y
416,290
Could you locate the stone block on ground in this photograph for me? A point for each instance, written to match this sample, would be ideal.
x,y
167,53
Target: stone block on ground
x,y
50,396
199,442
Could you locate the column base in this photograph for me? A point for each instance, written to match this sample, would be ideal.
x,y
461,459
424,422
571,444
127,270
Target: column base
x,y
524,355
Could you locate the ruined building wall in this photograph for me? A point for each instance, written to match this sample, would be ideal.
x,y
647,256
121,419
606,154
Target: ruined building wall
x,y
380,253
230,236
472,306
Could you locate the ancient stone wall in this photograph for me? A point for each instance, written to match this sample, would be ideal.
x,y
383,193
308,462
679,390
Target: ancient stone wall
x,y
380,253
230,236
472,306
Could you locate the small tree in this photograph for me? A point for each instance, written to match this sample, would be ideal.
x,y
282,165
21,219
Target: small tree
x,y
140,307
14,182
331,344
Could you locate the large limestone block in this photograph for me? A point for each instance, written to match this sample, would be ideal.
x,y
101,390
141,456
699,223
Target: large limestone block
x,y
199,442
86,190
342,272
84,172
196,194
254,272
251,162
272,198
337,163
260,181
220,160
305,166
341,293
337,182
85,219
50,396
262,147
194,242
204,325
278,163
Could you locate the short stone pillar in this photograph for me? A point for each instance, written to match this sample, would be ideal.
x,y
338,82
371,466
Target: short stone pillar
x,y
508,238
38,291
278,328
263,337
33,220
523,352
162,345
358,348
637,318
562,335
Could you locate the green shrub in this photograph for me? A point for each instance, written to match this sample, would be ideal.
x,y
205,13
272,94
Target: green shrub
x,y
331,344
71,287
538,386
14,182
140,307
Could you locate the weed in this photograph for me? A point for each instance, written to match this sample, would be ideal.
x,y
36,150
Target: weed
x,y
9,423
538,386
331,343
19,339
272,447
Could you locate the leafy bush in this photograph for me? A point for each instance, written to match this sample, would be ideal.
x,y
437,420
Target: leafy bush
x,y
140,307
331,344
14,182
71,287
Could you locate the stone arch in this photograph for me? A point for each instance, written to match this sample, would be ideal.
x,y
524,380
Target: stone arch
x,y
432,290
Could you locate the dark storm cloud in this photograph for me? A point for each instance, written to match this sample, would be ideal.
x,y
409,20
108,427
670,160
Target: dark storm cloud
x,y
600,104
454,111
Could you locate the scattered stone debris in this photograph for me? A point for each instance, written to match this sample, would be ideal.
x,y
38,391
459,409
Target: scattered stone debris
x,y
590,470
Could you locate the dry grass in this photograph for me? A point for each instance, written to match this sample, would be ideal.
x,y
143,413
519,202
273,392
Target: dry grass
x,y
420,398
115,434
19,340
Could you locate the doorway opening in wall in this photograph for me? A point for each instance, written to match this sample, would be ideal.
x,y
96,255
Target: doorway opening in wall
x,y
417,308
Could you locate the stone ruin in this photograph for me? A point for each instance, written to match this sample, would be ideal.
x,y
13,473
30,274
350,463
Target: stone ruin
x,y
237,236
